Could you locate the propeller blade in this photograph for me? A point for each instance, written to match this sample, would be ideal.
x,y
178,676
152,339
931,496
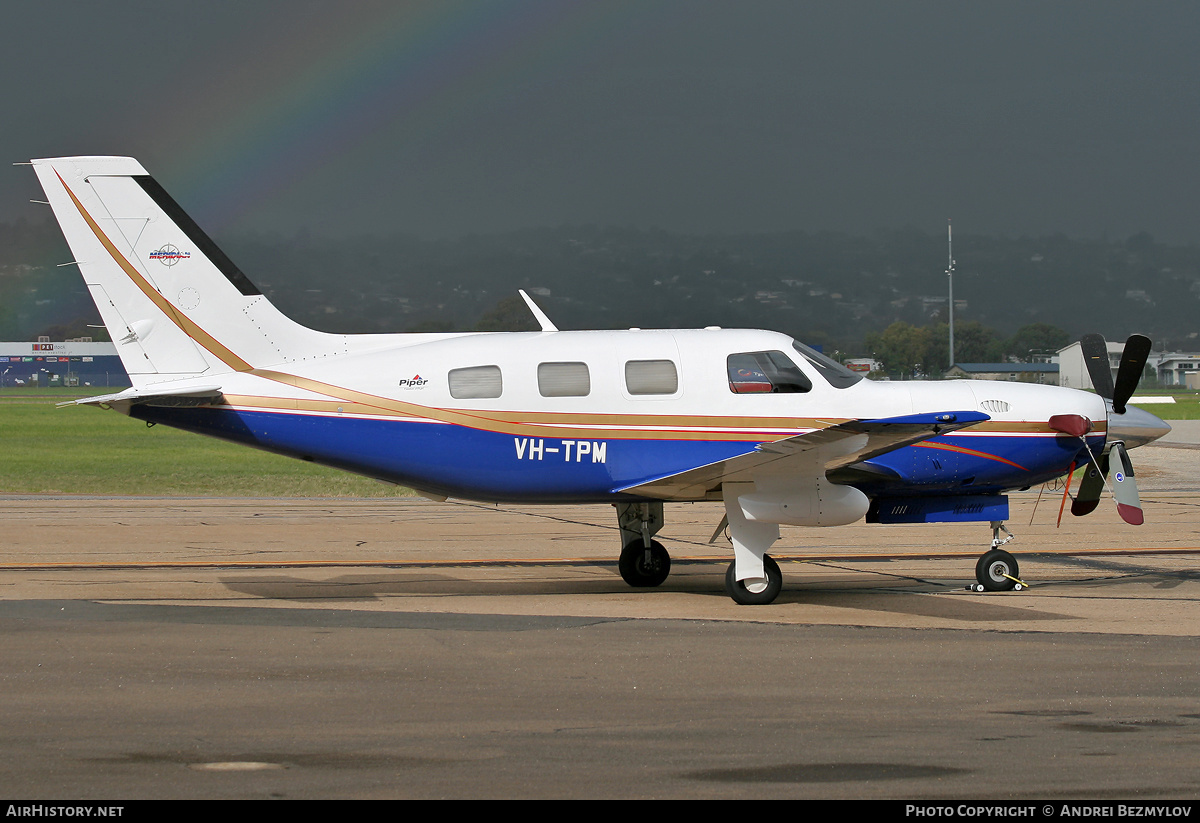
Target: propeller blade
x,y
1090,488
1133,362
1066,494
1129,505
1095,357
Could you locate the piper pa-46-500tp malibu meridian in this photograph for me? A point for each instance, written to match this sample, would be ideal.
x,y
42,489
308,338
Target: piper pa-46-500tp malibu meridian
x,y
638,418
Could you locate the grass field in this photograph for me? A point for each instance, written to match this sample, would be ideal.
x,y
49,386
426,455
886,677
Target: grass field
x,y
84,450
1185,407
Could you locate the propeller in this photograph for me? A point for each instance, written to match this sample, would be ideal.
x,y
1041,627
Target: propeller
x,y
1124,424
1091,487
1095,357
1133,364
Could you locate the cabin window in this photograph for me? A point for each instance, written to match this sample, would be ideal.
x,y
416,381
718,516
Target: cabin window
x,y
765,372
564,380
651,377
475,382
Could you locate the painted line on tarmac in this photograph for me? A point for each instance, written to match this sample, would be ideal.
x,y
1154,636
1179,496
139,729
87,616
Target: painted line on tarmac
x,y
579,561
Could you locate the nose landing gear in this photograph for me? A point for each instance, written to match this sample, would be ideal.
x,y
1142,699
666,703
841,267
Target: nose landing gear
x,y
997,570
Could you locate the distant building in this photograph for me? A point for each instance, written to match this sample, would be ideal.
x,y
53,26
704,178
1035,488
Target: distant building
x,y
863,365
1046,373
1169,368
1176,368
1072,371
61,364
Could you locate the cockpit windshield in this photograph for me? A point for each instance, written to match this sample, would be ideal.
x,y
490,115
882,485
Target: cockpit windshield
x,y
838,375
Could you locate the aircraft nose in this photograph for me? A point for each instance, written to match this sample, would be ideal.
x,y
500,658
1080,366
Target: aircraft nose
x,y
1136,427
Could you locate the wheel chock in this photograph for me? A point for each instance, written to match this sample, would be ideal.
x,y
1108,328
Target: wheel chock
x,y
1018,585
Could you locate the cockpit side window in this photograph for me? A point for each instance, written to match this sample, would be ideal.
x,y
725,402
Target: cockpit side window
x,y
838,375
765,372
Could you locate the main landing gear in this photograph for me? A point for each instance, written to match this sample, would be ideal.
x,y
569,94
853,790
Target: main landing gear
x,y
997,570
755,591
644,562
644,566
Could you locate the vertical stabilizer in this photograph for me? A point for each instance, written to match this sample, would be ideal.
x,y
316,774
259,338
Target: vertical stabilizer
x,y
174,304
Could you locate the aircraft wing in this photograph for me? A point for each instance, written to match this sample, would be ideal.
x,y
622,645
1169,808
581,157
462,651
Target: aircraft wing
x,y
164,396
821,450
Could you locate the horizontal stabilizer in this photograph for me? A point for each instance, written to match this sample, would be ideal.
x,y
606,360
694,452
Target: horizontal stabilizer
x,y
809,454
190,396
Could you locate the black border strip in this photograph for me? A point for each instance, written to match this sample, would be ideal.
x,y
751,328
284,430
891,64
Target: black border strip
x,y
196,234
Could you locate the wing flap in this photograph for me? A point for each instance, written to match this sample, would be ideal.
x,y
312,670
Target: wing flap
x,y
821,450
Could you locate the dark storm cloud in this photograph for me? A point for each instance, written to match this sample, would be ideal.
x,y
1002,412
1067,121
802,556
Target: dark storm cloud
x,y
695,116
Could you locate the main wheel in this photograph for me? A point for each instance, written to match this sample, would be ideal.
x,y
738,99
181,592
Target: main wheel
x,y
644,568
755,591
995,570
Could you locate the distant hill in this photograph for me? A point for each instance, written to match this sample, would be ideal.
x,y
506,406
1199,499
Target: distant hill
x,y
825,288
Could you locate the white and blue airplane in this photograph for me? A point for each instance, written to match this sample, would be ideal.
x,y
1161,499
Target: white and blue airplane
x,y
638,418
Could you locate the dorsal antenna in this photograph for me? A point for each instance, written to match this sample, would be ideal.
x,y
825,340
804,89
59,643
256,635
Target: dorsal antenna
x,y
542,319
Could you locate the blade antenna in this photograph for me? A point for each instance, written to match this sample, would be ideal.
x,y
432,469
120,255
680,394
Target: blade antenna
x,y
542,319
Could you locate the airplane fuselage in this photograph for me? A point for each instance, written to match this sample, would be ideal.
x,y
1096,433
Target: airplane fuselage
x,y
580,416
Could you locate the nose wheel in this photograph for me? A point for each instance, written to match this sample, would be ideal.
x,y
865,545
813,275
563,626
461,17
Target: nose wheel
x,y
997,571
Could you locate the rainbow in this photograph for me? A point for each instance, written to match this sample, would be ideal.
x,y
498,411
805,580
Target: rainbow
x,y
329,84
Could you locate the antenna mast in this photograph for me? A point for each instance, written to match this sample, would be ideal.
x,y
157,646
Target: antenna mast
x,y
950,275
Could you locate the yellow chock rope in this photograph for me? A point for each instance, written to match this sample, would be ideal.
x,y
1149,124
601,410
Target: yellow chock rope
x,y
1021,584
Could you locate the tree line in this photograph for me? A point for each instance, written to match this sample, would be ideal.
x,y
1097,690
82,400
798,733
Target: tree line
x,y
908,351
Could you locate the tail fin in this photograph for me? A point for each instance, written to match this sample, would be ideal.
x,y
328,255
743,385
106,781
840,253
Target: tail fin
x,y
174,304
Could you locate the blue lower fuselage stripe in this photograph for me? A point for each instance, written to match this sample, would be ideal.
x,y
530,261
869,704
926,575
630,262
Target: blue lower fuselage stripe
x,y
473,463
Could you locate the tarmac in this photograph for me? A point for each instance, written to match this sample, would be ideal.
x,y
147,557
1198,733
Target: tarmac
x,y
268,648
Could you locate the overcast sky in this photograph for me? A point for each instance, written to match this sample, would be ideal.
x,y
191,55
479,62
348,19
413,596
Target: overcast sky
x,y
446,118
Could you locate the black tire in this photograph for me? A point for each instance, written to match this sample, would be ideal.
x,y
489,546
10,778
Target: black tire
x,y
744,596
641,571
994,570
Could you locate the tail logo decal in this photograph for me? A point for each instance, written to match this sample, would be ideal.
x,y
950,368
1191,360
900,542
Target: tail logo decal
x,y
169,255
